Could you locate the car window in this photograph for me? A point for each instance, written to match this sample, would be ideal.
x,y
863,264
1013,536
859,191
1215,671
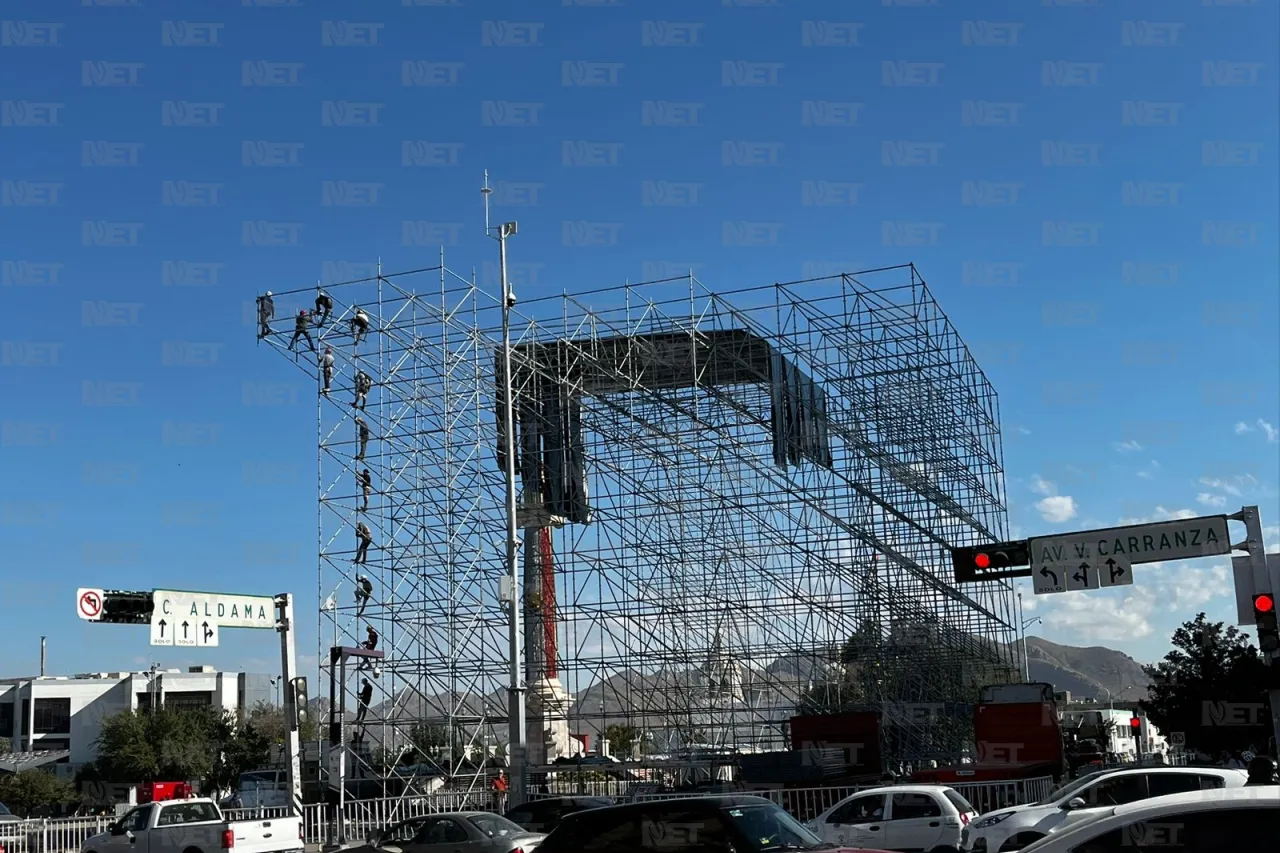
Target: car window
x,y
604,832
441,830
1072,788
1117,790
1211,783
685,831
520,815
1212,831
141,817
962,805
767,827
912,806
495,827
1163,784
859,810
402,833
180,813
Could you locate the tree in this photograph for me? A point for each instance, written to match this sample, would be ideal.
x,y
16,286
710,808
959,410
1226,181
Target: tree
x,y
31,791
1210,687
621,737
269,720
206,744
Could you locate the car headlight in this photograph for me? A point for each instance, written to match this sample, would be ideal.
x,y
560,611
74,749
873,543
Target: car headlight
x,y
983,823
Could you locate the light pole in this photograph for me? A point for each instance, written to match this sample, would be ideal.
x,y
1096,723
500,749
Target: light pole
x,y
516,690
1025,623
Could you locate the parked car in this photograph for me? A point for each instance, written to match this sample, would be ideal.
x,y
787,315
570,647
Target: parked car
x,y
1084,798
545,815
7,816
901,817
464,832
1215,821
725,824
194,826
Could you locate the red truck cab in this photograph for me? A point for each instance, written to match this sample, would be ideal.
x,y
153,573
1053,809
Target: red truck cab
x,y
1018,734
156,792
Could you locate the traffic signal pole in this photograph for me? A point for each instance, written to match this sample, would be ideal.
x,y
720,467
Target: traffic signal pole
x,y
1261,580
293,713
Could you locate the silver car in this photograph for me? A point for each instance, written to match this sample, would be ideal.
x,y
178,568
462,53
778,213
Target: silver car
x,y
464,832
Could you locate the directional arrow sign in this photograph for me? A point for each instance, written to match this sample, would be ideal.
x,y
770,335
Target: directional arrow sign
x,y
207,635
1081,574
1115,571
1181,539
161,631
89,604
185,633
1048,578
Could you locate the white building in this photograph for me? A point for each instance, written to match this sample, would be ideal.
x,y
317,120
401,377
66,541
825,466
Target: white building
x,y
1110,726
68,710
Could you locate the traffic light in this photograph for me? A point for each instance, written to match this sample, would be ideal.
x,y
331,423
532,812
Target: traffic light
x,y
300,710
1264,616
126,608
995,560
1135,725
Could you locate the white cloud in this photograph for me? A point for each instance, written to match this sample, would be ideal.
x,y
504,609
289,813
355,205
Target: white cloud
x,y
1271,538
1058,509
1175,590
1267,429
1150,471
1215,483
1211,500
1041,486
1127,446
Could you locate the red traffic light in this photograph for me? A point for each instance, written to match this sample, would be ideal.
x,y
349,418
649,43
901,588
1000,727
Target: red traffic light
x,y
982,561
1264,603
1135,723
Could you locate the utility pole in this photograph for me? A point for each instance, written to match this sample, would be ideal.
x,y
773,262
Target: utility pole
x,y
1261,582
516,689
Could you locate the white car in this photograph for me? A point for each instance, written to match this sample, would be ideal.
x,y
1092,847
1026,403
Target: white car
x,y
194,826
901,817
1196,822
1083,799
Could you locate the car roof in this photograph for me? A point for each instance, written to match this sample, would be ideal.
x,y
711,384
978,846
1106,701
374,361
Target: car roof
x,y
1261,796
1168,768
904,789
713,801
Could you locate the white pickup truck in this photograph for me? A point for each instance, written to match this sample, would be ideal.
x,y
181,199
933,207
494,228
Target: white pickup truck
x,y
194,826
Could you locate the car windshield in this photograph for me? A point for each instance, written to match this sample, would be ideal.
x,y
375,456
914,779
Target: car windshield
x,y
1067,789
4,810
496,827
768,827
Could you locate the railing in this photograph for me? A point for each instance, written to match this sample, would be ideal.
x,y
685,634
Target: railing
x,y
360,818
50,836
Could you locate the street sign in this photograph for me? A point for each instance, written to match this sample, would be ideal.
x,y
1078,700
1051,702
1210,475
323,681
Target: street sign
x,y
184,633
1082,575
222,610
1178,739
1180,539
1049,579
207,635
89,604
1115,571
161,631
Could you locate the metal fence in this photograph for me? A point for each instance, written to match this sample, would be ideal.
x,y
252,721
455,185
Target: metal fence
x,y
362,817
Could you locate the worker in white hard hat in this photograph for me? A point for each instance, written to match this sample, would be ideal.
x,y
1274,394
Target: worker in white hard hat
x,y
266,313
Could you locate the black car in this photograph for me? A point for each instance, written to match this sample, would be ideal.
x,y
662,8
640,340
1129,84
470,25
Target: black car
x,y
728,824
545,815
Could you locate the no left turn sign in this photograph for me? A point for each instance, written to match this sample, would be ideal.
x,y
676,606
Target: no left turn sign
x,y
89,604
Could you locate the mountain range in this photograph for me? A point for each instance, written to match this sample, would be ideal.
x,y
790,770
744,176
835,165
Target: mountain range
x,y
1093,672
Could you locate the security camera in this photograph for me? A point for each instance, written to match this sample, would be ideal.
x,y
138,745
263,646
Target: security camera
x,y
511,298
377,671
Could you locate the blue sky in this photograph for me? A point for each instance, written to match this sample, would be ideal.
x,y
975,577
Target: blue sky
x,y
1089,189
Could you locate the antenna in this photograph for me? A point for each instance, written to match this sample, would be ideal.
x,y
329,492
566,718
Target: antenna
x,y
486,191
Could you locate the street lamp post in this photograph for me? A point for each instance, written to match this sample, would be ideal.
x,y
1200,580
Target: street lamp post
x,y
1025,623
516,689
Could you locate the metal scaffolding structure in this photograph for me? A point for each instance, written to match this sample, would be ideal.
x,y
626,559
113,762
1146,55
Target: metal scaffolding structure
x,y
733,505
